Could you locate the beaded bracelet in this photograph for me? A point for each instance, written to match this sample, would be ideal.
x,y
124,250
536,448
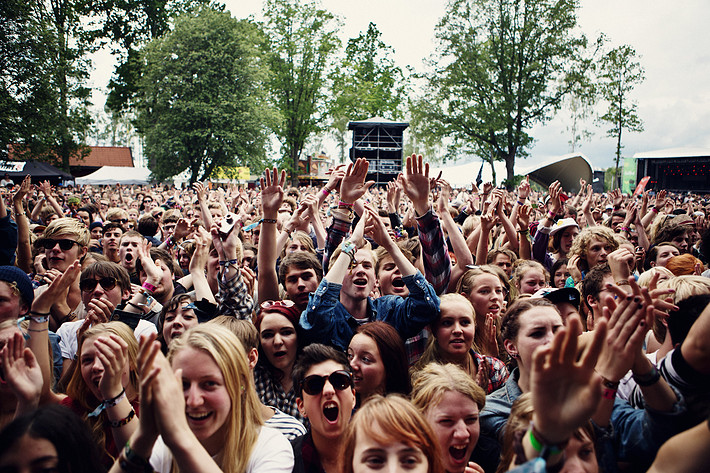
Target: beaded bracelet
x,y
121,422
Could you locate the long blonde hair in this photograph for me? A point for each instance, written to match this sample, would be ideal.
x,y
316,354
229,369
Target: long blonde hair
x,y
244,420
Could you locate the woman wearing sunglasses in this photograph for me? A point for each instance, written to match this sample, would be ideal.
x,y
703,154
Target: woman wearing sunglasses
x,y
326,397
206,375
277,324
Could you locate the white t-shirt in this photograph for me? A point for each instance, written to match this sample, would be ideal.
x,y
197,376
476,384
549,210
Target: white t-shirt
x,y
68,342
271,454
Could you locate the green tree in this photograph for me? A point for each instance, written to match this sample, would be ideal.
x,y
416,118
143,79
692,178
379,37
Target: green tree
x,y
43,97
619,72
501,67
367,83
303,39
126,26
202,102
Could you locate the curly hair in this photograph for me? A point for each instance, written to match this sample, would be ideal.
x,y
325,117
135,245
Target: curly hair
x,y
580,245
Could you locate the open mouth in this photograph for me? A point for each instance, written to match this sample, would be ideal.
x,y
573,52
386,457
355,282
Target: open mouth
x,y
494,308
330,411
457,341
198,417
280,354
458,452
360,282
129,257
398,283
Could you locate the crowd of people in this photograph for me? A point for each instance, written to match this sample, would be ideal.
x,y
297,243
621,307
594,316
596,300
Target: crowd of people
x,y
350,328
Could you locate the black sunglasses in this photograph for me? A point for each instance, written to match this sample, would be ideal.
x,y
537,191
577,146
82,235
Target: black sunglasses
x,y
120,220
314,383
65,244
88,285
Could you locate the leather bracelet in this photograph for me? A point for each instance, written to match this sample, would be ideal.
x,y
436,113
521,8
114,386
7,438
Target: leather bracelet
x,y
648,379
41,314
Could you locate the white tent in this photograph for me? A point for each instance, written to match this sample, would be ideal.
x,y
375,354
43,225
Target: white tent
x,y
111,175
568,169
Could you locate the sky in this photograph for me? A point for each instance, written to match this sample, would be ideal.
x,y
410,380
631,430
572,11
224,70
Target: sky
x,y
671,39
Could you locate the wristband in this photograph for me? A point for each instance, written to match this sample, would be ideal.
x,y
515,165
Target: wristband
x,y
624,229
43,319
649,378
38,313
551,214
131,462
325,191
654,209
149,287
521,203
228,263
109,403
608,393
623,282
342,204
121,422
252,226
540,445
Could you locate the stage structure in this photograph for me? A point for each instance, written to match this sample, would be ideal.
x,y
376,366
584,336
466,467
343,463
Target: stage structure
x,y
380,142
676,170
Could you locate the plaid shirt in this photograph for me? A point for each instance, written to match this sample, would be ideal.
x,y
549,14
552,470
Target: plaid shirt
x,y
272,394
233,297
496,369
337,232
437,263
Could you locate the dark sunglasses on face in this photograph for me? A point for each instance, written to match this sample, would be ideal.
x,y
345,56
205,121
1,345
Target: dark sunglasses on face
x,y
88,285
65,244
314,383
120,220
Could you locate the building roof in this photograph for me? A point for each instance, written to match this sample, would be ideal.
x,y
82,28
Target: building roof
x,y
375,121
674,153
106,156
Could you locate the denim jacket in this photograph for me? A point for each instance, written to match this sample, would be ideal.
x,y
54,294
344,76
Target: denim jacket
x,y
326,320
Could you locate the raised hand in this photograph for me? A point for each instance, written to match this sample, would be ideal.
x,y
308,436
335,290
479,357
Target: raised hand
x,y
23,190
524,213
100,310
565,390
353,185
394,195
46,188
272,192
336,175
200,191
375,227
442,202
112,351
555,190
22,373
524,189
415,183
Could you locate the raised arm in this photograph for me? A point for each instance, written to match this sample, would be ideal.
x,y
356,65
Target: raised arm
x,y
272,195
458,243
24,250
201,192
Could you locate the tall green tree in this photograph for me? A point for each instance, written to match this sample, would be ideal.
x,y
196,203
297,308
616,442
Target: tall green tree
x,y
502,66
202,100
619,73
43,94
126,26
367,83
303,39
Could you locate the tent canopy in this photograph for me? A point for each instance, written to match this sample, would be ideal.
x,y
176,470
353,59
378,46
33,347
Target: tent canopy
x,y
567,169
17,170
111,175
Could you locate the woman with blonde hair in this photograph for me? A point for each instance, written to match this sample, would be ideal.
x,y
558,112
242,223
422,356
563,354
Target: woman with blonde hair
x,y
529,276
388,427
450,401
221,430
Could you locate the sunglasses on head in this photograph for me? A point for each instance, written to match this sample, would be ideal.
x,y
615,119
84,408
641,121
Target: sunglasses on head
x,y
314,383
266,305
88,285
65,244
120,220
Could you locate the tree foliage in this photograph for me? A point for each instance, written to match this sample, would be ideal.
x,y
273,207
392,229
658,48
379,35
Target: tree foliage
x,y
126,26
618,73
303,39
43,98
367,83
502,66
202,102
